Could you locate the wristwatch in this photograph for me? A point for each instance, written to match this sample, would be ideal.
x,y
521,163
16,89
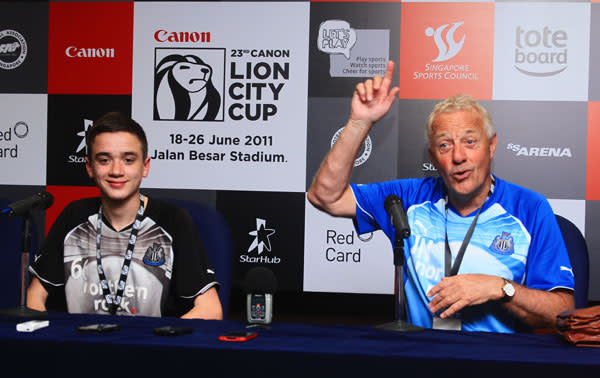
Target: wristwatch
x,y
508,289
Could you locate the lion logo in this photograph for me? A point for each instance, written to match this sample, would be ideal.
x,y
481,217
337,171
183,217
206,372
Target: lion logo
x,y
183,90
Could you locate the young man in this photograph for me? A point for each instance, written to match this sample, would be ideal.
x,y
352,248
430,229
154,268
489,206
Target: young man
x,y
515,264
149,255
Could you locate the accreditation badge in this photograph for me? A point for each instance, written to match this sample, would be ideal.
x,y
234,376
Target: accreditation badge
x,y
449,324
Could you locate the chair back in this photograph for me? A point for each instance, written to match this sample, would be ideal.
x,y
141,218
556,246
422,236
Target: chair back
x,y
215,234
578,253
10,270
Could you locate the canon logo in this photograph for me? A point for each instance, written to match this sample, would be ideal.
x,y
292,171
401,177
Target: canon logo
x,y
167,36
92,52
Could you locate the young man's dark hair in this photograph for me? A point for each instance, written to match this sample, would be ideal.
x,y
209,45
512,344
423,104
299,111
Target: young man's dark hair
x,y
113,122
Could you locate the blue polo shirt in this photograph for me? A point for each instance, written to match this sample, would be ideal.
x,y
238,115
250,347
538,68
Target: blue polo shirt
x,y
516,237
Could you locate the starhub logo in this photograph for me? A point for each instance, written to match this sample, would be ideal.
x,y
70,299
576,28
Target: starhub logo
x,y
261,242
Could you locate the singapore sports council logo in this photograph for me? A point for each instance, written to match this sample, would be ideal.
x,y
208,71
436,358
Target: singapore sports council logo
x,y
447,46
184,89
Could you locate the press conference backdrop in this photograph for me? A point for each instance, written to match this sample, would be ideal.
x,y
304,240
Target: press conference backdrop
x,y
242,100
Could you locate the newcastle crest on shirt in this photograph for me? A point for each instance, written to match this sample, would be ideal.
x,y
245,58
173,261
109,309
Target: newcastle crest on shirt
x,y
154,255
503,244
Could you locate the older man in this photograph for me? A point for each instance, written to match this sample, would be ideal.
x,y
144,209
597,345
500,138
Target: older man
x,y
512,265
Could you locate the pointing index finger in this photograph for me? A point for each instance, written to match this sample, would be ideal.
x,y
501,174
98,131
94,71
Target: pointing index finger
x,y
389,75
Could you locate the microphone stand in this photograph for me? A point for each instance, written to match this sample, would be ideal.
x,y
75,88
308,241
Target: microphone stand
x,y
22,311
399,324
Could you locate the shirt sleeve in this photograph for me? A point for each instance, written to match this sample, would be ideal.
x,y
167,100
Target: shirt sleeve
x,y
193,273
48,264
364,220
370,199
548,263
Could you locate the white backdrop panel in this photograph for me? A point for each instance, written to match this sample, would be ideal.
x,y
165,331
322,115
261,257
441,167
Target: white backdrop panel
x,y
256,57
337,260
541,51
23,139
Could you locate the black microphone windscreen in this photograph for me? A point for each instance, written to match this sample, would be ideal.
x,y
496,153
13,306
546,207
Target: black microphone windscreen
x,y
394,207
46,200
41,200
260,279
390,201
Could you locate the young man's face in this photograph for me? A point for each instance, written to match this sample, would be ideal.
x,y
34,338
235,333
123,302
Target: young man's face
x,y
462,152
117,165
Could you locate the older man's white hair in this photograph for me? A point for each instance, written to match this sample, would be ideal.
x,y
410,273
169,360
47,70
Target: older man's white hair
x,y
455,104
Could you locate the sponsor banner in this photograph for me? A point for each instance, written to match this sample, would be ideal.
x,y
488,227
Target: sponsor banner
x,y
445,49
451,1
225,101
90,49
413,151
542,146
594,92
592,191
267,230
338,260
69,117
543,1
23,139
353,1
346,47
592,238
348,59
541,51
376,159
573,210
23,47
64,195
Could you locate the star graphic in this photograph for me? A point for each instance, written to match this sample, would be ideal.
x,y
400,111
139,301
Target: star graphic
x,y
261,234
86,125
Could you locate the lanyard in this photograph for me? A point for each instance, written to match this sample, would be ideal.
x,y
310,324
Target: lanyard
x,y
114,300
452,270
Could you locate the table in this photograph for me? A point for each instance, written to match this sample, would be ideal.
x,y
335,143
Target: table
x,y
285,350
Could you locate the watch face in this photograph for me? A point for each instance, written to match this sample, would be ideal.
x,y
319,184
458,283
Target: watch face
x,y
509,289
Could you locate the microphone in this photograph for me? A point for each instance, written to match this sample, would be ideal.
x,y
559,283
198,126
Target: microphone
x,y
395,209
259,285
41,200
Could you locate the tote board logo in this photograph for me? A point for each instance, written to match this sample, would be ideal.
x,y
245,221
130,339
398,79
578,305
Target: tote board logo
x,y
541,52
184,88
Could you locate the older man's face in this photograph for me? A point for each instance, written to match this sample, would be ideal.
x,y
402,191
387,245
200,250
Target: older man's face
x,y
462,153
